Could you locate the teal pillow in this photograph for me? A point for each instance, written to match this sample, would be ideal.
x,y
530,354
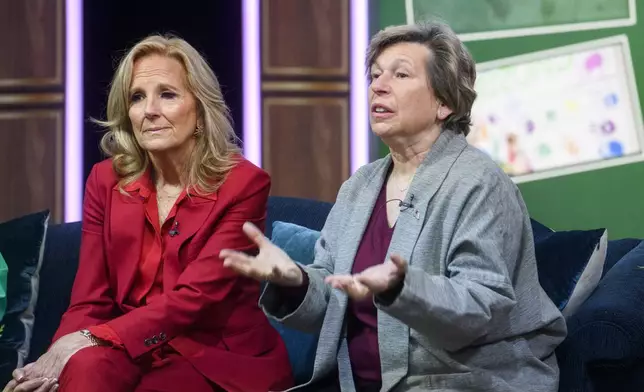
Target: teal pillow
x,y
299,243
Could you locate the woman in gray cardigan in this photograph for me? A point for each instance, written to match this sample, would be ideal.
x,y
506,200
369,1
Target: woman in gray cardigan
x,y
425,275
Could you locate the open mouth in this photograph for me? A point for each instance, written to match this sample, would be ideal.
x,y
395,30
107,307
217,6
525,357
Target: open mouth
x,y
380,109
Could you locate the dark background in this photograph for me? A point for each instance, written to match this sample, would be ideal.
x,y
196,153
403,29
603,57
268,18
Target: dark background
x,y
111,27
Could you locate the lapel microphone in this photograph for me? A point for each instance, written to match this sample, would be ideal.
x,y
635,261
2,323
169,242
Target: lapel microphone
x,y
174,230
405,204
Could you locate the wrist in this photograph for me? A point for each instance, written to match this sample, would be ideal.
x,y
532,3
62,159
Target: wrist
x,y
300,276
303,277
294,277
390,295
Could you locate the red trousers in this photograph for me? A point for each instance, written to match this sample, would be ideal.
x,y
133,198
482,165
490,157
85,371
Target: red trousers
x,y
104,369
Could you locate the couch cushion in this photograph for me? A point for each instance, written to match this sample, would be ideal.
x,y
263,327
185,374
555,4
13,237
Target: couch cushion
x,y
21,244
303,212
299,243
60,263
570,265
605,334
617,249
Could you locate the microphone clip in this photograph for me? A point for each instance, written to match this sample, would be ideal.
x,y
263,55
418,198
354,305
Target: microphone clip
x,y
405,205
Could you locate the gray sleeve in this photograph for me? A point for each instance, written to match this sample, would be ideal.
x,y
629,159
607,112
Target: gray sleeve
x,y
457,308
309,315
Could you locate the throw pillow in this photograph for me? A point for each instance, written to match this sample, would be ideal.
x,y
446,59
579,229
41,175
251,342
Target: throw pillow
x,y
539,230
570,265
22,245
3,290
299,243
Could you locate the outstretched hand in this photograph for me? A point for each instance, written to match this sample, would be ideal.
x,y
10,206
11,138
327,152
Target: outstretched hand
x,y
372,281
271,263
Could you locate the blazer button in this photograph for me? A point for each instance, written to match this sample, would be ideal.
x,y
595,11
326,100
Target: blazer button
x,y
147,342
162,336
155,339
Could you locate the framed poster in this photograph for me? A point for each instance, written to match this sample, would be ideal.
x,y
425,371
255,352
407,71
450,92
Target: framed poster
x,y
559,111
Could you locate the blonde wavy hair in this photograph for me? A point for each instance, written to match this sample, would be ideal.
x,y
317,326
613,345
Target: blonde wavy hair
x,y
215,149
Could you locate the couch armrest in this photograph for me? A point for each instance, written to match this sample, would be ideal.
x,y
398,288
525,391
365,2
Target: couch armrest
x,y
609,326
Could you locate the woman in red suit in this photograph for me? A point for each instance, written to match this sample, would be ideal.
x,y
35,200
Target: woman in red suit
x,y
153,308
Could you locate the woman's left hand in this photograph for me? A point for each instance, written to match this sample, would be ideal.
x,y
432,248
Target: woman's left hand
x,y
35,385
372,281
51,364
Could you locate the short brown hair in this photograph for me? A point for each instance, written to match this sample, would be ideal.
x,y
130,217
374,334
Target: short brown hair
x,y
450,69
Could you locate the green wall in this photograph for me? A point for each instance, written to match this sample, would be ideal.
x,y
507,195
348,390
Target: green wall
x,y
612,198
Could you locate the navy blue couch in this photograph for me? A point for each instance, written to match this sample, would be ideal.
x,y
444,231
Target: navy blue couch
x,y
604,350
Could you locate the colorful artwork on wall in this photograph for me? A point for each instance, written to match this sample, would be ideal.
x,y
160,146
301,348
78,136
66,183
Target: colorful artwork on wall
x,y
565,110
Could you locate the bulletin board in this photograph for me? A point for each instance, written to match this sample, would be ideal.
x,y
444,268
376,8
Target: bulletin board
x,y
559,111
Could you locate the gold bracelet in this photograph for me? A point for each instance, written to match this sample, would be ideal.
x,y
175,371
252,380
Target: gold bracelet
x,y
93,340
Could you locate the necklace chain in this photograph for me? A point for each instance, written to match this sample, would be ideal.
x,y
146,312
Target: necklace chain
x,y
403,189
165,202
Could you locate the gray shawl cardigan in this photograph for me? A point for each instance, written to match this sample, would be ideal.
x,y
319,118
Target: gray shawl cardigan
x,y
471,315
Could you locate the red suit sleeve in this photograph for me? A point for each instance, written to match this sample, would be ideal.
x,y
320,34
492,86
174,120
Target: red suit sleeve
x,y
92,300
106,334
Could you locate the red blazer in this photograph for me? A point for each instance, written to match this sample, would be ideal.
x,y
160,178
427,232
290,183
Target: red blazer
x,y
207,313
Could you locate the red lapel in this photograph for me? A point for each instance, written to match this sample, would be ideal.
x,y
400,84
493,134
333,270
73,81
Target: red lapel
x,y
191,216
127,222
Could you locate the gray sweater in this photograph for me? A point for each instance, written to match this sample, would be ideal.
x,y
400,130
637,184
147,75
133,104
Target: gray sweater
x,y
471,315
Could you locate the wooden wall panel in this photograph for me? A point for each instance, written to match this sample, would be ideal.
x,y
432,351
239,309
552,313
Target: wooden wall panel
x,y
30,162
305,96
31,42
305,37
32,107
307,135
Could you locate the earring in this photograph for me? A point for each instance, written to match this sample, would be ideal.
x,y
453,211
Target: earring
x,y
198,131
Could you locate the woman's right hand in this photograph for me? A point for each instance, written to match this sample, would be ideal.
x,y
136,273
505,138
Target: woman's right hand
x,y
271,263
